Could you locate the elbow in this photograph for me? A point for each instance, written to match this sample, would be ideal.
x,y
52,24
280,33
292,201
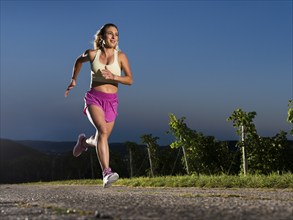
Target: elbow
x,y
130,81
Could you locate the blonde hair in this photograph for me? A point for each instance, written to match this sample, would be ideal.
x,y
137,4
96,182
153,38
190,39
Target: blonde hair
x,y
98,42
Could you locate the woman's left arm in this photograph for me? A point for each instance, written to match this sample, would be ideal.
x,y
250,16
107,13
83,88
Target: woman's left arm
x,y
127,78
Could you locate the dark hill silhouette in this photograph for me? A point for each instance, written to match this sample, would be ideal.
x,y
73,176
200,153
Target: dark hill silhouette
x,y
19,163
50,147
12,150
30,161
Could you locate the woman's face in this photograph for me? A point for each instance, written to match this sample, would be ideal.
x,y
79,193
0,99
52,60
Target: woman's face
x,y
111,37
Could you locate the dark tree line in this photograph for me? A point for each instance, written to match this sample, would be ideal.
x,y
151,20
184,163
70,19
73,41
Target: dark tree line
x,y
191,152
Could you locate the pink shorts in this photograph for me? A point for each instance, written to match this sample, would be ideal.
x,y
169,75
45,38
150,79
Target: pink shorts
x,y
108,102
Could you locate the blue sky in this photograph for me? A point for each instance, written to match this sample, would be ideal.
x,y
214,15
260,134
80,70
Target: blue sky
x,y
197,59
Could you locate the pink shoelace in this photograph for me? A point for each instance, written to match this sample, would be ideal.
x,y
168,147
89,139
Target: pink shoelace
x,y
107,171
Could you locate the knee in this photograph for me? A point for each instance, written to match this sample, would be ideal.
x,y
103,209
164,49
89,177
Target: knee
x,y
103,132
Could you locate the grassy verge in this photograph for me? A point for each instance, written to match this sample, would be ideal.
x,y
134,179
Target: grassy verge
x,y
202,181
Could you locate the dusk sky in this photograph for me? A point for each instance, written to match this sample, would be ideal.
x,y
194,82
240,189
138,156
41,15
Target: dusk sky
x,y
197,59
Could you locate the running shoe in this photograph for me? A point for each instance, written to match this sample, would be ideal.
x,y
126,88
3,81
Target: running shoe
x,y
79,148
109,177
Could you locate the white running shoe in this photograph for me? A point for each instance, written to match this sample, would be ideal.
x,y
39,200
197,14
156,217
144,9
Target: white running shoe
x,y
109,177
79,148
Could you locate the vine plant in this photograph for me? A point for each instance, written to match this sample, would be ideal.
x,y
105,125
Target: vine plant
x,y
243,122
290,114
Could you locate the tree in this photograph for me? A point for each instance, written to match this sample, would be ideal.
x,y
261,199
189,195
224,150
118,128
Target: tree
x,y
151,143
266,154
202,154
243,122
181,133
290,114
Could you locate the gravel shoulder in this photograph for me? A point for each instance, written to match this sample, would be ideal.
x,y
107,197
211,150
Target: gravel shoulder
x,y
119,202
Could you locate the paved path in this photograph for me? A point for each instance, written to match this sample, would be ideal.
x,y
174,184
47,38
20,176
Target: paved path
x,y
117,202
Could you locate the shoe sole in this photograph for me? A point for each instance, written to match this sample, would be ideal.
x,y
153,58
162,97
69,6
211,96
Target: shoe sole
x,y
79,139
111,180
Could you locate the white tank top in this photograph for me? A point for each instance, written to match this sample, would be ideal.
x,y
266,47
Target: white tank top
x,y
97,66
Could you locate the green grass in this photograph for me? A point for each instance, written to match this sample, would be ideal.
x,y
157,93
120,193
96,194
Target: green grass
x,y
202,181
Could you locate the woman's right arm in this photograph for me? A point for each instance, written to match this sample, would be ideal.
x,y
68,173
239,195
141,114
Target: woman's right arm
x,y
85,57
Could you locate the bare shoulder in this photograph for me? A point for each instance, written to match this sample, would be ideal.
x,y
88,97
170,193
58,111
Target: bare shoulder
x,y
122,56
90,54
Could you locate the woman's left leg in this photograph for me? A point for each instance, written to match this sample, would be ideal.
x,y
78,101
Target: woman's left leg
x,y
100,139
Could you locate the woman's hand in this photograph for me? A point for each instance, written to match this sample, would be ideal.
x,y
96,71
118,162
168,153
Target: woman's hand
x,y
71,85
107,74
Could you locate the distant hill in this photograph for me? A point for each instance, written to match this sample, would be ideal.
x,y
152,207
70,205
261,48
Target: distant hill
x,y
19,163
29,161
10,150
49,147
55,147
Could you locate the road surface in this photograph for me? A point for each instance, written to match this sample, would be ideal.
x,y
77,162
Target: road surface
x,y
19,201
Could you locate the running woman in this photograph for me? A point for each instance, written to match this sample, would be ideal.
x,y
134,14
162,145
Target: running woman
x,y
101,101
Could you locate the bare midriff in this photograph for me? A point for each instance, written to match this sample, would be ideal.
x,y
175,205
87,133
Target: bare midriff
x,y
105,87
